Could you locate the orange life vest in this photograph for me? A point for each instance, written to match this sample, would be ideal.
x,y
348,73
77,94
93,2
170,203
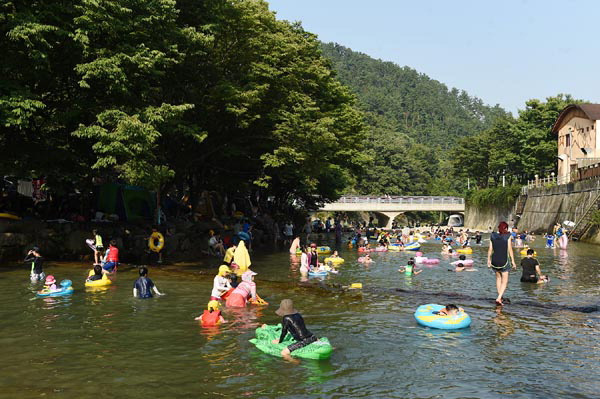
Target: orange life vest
x,y
210,319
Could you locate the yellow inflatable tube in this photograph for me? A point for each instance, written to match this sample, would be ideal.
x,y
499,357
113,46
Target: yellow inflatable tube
x,y
156,242
104,281
9,216
335,261
524,252
323,250
465,250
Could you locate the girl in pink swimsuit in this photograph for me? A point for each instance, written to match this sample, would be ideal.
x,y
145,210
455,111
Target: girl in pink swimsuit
x,y
246,289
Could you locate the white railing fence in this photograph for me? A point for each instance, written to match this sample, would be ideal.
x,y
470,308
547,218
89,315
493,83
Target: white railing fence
x,y
544,182
400,200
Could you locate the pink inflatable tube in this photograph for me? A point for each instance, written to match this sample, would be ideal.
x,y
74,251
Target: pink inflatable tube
x,y
466,262
431,261
381,249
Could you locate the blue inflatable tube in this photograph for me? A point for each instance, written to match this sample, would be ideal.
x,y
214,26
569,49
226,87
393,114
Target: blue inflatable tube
x,y
65,289
412,247
317,273
425,316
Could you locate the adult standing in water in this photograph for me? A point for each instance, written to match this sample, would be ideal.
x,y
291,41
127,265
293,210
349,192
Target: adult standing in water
x,y
499,256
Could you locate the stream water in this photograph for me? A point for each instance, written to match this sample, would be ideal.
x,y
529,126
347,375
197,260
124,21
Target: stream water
x,y
105,344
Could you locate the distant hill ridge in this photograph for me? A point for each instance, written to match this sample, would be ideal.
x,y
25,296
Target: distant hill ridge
x,y
410,102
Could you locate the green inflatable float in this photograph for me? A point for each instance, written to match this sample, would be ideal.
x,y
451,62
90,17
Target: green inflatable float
x,y
320,349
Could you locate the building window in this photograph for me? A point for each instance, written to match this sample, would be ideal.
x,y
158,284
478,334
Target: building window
x,y
568,140
587,129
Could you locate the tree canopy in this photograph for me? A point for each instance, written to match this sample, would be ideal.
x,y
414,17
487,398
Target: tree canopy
x,y
517,148
212,95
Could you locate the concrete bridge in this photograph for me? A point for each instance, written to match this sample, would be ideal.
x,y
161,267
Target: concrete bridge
x,y
390,207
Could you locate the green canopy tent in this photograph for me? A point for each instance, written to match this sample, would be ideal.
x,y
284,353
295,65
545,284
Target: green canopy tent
x,y
130,203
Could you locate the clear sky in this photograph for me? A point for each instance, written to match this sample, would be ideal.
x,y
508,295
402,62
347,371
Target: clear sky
x,y
504,52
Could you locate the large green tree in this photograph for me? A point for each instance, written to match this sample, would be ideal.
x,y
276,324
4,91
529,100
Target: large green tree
x,y
515,148
207,95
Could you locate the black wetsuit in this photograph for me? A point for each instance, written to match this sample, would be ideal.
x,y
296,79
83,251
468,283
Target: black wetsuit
x,y
38,263
294,324
529,273
500,261
478,238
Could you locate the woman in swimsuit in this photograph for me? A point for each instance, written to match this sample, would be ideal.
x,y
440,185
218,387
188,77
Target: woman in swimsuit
x,y
500,257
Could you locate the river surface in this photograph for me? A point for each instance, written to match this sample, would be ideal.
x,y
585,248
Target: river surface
x,y
106,344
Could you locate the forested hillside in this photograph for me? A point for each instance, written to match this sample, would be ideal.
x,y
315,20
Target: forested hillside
x,y
413,121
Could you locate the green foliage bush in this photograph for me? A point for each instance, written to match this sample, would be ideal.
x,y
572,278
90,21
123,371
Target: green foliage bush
x,y
493,197
595,218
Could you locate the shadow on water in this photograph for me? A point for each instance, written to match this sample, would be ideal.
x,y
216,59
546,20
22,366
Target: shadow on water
x,y
451,297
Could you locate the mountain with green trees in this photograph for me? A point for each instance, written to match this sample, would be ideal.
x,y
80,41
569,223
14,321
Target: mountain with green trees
x,y
413,122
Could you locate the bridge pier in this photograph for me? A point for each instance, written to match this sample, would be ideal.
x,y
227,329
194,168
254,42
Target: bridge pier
x,y
388,218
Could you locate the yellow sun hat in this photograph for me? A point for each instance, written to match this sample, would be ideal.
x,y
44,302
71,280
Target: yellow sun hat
x,y
223,270
213,305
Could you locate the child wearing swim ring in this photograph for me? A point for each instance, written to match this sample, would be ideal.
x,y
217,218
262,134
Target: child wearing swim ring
x,y
212,315
450,310
50,284
97,274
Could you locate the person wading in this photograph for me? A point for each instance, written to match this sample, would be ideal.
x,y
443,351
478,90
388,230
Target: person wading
x,y
500,257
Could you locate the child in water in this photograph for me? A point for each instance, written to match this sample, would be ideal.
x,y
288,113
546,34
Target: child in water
x,y
143,286
461,268
410,269
549,240
450,310
50,284
293,323
531,270
518,242
366,259
212,315
97,274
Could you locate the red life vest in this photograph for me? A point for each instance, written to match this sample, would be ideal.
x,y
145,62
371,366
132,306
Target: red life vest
x,y
113,254
210,319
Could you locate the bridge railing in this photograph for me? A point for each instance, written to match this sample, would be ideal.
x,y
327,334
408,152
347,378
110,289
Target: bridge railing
x,y
401,200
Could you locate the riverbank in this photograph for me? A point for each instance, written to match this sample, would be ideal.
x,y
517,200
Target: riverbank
x,y
65,241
